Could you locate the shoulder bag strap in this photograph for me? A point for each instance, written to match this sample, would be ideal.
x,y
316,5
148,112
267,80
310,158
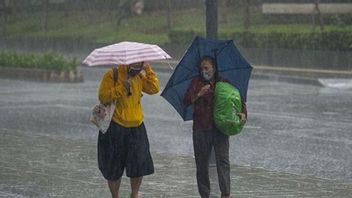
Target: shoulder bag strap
x,y
115,74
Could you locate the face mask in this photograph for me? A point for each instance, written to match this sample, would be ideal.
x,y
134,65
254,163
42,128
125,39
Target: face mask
x,y
208,75
133,71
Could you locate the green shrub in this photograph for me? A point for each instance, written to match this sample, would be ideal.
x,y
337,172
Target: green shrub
x,y
50,61
337,40
328,40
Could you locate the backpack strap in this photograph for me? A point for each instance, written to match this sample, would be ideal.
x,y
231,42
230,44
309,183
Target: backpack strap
x,y
115,74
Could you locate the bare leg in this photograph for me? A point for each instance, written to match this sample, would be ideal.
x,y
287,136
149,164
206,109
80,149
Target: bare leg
x,y
114,188
135,184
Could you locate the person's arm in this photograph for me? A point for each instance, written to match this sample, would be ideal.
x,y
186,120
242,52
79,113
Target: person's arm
x,y
150,80
108,90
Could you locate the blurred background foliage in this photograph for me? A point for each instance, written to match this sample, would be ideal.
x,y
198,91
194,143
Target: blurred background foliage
x,y
49,60
171,22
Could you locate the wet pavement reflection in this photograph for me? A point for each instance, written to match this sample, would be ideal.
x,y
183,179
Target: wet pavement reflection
x,y
297,142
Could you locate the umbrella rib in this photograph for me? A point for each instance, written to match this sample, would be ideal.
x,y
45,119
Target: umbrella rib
x,y
125,53
174,105
183,79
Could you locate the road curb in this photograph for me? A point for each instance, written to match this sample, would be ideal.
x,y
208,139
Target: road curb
x,y
291,75
286,78
42,75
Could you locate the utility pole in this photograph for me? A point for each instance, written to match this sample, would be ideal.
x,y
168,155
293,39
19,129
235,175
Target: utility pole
x,y
211,13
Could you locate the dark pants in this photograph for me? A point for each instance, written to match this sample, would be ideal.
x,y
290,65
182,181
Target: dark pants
x,y
123,148
203,142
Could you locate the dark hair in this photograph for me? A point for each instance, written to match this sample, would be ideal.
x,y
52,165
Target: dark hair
x,y
213,62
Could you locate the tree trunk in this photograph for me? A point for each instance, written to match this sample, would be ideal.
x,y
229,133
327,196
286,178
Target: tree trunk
x,y
320,16
247,15
5,11
169,15
46,15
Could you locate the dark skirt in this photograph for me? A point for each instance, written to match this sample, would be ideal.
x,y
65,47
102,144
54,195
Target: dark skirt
x,y
124,148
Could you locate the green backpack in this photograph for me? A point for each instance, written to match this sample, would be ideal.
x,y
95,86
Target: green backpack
x,y
227,102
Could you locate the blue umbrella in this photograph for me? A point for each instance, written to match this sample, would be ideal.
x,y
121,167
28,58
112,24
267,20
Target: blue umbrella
x,y
231,66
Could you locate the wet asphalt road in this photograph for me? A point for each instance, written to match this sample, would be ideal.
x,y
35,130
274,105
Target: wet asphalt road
x,y
295,128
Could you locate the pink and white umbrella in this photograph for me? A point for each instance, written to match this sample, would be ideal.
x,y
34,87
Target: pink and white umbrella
x,y
125,53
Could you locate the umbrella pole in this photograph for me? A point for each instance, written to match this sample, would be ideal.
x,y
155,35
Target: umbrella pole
x,y
168,62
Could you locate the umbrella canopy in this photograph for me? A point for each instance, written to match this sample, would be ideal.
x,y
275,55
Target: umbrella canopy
x,y
125,53
231,65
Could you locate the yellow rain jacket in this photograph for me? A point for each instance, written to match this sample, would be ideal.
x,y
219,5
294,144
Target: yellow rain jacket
x,y
128,111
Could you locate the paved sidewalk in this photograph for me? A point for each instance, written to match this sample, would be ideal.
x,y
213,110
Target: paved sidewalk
x,y
38,165
47,148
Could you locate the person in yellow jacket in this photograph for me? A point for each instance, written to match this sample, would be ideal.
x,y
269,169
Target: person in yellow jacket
x,y
125,145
